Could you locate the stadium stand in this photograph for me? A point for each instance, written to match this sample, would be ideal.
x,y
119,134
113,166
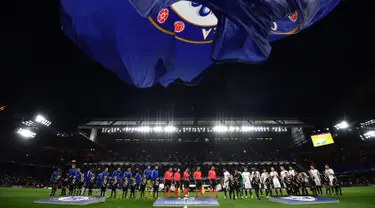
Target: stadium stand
x,y
32,164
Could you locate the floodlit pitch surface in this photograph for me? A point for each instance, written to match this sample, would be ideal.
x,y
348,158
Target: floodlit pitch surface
x,y
359,197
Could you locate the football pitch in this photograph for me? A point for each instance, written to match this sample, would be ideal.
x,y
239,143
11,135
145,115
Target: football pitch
x,y
359,197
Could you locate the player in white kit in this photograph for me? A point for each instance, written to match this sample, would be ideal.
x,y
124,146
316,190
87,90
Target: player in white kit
x,y
330,173
275,181
257,174
263,178
226,182
283,174
316,178
246,177
292,172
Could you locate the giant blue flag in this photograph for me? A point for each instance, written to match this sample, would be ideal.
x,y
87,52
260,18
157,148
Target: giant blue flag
x,y
174,39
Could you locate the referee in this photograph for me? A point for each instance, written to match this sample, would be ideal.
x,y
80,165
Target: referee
x,y
198,181
212,178
186,181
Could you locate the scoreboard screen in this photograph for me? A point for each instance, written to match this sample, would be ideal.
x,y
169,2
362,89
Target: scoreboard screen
x,y
322,139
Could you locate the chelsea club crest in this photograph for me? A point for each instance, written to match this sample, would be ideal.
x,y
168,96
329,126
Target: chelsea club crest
x,y
71,198
188,21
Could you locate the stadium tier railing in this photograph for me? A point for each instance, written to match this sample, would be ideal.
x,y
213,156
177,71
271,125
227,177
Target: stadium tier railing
x,y
255,163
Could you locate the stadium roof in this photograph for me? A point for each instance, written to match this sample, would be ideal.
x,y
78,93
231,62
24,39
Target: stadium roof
x,y
202,122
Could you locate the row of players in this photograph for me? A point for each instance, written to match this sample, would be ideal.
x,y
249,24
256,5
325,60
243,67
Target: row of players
x,y
236,184
295,183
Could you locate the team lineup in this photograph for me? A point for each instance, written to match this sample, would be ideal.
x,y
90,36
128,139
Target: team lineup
x,y
238,185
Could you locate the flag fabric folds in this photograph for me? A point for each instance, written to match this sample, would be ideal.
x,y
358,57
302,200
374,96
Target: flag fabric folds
x,y
146,42
141,51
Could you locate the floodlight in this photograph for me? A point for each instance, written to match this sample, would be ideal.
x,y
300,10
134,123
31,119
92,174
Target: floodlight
x,y
247,128
342,125
144,129
26,133
42,120
158,129
369,134
169,129
29,123
220,129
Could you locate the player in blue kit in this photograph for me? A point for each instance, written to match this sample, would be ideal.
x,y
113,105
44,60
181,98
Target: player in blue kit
x,y
86,180
99,182
117,173
100,179
154,177
78,177
148,176
138,178
80,183
78,173
128,174
55,180
72,171
105,172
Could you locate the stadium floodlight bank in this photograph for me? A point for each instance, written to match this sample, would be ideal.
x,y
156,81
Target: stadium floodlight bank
x,y
172,129
42,120
231,124
368,135
342,125
369,123
220,128
26,133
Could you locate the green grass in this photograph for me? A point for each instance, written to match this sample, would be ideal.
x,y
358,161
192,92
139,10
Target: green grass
x,y
360,197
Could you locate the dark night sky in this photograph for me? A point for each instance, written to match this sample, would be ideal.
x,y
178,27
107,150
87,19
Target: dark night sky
x,y
322,73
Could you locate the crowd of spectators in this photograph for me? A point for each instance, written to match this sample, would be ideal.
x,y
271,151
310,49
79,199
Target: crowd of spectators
x,y
197,152
343,158
20,181
25,175
338,156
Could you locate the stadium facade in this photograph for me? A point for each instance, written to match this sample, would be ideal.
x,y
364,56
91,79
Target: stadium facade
x,y
238,132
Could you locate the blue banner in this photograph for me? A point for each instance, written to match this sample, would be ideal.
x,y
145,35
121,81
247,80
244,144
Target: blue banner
x,y
179,39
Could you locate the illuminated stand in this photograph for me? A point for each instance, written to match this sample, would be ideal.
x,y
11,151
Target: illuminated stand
x,y
186,201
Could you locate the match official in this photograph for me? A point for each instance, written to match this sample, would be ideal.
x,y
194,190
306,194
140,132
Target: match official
x,y
177,181
198,181
212,178
168,177
186,181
